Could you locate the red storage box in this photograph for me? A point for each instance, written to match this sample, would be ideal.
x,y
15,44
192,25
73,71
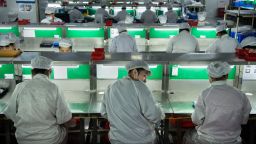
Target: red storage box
x,y
240,53
99,50
108,22
97,56
23,21
193,23
250,56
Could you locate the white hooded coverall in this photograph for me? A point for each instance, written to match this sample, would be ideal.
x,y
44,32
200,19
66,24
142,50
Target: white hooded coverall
x,y
37,108
131,111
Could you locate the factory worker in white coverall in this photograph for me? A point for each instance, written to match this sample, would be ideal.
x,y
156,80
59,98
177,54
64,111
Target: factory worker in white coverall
x,y
148,16
123,42
50,16
220,110
129,106
184,42
38,109
224,43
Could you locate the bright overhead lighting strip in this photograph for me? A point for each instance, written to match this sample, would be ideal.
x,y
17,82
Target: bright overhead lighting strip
x,y
166,29
135,29
5,27
81,29
206,29
39,28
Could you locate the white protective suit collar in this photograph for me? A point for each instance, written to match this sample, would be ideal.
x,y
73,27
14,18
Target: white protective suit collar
x,y
223,82
40,76
224,36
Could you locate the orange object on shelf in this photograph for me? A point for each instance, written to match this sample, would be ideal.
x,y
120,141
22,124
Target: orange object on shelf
x,y
10,53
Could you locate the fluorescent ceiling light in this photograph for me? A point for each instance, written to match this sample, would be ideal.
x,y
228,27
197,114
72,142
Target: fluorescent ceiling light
x,y
80,29
26,66
54,5
39,28
152,66
66,66
179,66
199,67
166,29
101,93
135,29
206,29
5,27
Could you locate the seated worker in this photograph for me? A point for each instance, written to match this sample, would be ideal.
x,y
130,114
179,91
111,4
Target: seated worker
x,y
38,108
123,42
184,42
171,15
249,43
4,42
101,14
129,106
224,43
121,16
220,110
65,45
75,15
50,16
148,16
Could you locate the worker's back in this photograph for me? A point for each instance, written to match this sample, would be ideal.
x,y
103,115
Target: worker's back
x,y
148,17
224,44
171,17
121,16
40,111
225,109
184,42
131,111
123,43
75,15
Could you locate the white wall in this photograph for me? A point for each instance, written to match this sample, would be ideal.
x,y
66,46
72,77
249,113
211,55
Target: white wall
x,y
211,8
11,4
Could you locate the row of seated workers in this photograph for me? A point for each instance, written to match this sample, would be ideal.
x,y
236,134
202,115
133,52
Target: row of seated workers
x,y
41,115
184,42
101,15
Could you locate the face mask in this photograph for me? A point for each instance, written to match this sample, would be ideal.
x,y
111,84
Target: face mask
x,y
49,18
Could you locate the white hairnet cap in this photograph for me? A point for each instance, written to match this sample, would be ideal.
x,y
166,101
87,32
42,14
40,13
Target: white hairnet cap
x,y
184,26
221,28
12,15
249,41
50,10
137,64
148,6
41,62
121,28
218,69
169,6
12,37
4,40
103,3
65,43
